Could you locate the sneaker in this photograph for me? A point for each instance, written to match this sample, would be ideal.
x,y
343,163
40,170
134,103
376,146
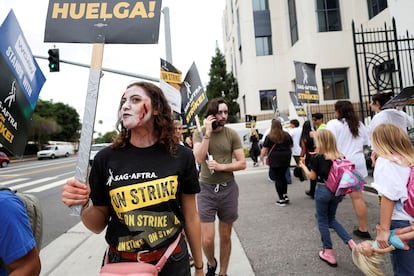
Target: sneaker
x,y
286,199
211,270
362,235
308,193
281,202
327,255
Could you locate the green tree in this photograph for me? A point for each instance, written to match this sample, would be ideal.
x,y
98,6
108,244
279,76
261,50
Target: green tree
x,y
106,138
223,84
54,121
67,117
42,129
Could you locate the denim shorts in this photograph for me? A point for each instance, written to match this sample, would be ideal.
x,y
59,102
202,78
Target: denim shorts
x,y
218,199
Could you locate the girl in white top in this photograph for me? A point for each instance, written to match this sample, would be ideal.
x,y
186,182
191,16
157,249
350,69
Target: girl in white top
x,y
351,136
392,169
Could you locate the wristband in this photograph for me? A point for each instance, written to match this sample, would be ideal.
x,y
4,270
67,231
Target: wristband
x,y
199,267
206,137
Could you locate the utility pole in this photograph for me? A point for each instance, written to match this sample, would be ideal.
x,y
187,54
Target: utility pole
x,y
166,12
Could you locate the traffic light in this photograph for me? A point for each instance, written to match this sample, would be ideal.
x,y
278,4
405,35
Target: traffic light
x,y
53,60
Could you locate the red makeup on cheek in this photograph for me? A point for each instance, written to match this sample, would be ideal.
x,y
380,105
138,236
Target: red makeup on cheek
x,y
144,111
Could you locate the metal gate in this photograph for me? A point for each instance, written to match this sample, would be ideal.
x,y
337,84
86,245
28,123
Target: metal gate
x,y
384,63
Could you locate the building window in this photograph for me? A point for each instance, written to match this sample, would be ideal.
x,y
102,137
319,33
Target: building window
x,y
260,5
266,99
264,46
329,16
335,84
293,22
376,6
262,27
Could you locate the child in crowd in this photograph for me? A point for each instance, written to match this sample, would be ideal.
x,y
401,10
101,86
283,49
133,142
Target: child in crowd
x,y
326,203
351,137
368,257
393,156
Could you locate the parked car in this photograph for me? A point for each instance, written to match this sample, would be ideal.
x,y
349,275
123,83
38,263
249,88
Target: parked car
x,y
95,148
4,159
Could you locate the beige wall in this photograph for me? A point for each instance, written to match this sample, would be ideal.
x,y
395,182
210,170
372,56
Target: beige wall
x,y
327,50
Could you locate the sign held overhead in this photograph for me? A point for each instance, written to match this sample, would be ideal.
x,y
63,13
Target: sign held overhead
x,y
114,22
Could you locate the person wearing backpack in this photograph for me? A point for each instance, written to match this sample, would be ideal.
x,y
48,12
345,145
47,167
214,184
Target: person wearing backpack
x,y
326,202
18,252
351,137
393,158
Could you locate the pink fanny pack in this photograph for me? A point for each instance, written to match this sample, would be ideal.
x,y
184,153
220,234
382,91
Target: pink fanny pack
x,y
137,268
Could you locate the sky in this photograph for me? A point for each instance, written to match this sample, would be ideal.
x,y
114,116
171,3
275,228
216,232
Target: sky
x,y
195,26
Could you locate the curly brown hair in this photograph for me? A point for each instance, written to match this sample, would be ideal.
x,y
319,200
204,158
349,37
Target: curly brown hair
x,y
163,120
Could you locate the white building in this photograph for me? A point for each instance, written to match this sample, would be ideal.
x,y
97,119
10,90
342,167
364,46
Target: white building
x,y
263,38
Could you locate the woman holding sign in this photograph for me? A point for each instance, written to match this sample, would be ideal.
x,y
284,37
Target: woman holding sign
x,y
143,187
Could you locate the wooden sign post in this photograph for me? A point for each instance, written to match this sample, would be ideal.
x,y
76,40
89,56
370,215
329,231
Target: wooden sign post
x,y
81,172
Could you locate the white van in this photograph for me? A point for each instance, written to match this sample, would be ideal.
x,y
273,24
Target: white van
x,y
56,150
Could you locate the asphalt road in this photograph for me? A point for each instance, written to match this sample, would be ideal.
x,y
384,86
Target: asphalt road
x,y
285,240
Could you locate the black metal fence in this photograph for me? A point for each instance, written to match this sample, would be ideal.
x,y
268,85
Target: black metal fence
x,y
384,63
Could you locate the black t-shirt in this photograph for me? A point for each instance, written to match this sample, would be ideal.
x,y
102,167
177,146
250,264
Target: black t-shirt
x,y
320,166
281,153
142,187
